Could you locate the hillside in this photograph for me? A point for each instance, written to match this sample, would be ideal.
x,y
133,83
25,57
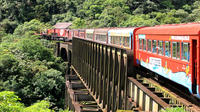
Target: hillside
x,y
98,13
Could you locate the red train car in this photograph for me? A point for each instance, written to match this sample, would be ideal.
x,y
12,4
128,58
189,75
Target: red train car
x,y
71,34
79,33
60,34
76,33
50,31
89,34
67,33
51,34
82,33
101,35
57,31
121,37
171,51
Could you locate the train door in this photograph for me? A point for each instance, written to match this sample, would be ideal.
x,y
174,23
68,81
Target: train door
x,y
131,41
194,66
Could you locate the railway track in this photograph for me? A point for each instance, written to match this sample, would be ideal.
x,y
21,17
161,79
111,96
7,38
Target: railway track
x,y
146,94
77,96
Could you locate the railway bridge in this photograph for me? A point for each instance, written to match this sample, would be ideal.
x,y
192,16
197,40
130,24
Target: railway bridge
x,y
100,77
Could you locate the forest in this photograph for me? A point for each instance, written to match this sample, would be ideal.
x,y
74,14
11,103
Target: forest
x,y
98,13
31,76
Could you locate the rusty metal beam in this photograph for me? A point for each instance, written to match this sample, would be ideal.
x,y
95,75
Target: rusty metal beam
x,y
103,70
77,96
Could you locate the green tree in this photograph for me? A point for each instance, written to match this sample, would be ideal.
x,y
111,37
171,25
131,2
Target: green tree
x,y
112,17
172,16
49,85
34,49
65,17
2,34
25,60
78,23
32,27
8,26
91,9
8,66
9,102
177,109
42,106
140,20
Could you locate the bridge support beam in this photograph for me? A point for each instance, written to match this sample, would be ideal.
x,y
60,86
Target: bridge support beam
x,y
103,70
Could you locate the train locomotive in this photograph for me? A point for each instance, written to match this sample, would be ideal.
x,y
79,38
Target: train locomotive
x,y
171,51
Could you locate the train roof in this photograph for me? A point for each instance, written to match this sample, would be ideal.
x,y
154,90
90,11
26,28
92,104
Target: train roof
x,y
63,25
89,30
121,31
173,29
102,31
82,30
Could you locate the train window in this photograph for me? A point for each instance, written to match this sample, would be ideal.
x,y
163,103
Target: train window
x,y
174,49
144,44
89,36
168,49
112,40
140,43
160,47
81,34
101,37
149,45
126,41
185,51
104,38
96,37
120,40
115,40
178,50
154,46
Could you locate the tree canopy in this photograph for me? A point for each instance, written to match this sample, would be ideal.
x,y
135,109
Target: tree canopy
x,y
28,67
96,13
9,102
123,13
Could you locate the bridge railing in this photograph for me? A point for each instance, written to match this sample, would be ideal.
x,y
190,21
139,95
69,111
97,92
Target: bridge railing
x,y
103,69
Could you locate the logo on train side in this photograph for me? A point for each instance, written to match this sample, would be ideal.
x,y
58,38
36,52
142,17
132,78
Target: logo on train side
x,y
180,38
155,61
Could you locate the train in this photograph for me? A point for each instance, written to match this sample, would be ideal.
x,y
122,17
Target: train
x,y
171,51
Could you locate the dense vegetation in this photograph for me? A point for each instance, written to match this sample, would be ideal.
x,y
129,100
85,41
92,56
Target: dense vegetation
x,y
10,103
98,13
28,66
